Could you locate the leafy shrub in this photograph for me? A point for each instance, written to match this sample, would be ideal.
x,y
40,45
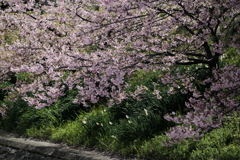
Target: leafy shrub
x,y
11,121
21,117
66,109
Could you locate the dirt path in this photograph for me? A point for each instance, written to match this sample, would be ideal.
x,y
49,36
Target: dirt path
x,y
15,147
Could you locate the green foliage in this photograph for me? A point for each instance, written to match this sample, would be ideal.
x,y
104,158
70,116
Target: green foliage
x,y
21,117
95,124
98,128
231,57
219,144
128,133
144,78
133,107
11,121
44,132
3,92
138,128
85,130
154,149
4,84
24,76
66,108
222,143
9,36
69,133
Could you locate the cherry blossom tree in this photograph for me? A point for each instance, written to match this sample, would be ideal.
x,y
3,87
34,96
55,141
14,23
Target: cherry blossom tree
x,y
94,45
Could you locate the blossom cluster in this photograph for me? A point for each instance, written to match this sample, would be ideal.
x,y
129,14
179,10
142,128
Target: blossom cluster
x,y
207,109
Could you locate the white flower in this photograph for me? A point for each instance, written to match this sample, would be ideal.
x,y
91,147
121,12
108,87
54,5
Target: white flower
x,y
84,121
113,136
146,111
104,110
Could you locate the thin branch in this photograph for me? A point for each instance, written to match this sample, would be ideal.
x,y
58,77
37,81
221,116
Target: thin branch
x,y
87,20
186,63
201,60
194,54
78,58
30,15
160,53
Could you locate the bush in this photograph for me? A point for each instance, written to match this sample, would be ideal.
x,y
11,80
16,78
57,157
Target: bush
x,y
12,120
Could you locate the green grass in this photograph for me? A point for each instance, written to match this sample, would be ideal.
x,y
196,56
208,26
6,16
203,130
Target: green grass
x,y
96,129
